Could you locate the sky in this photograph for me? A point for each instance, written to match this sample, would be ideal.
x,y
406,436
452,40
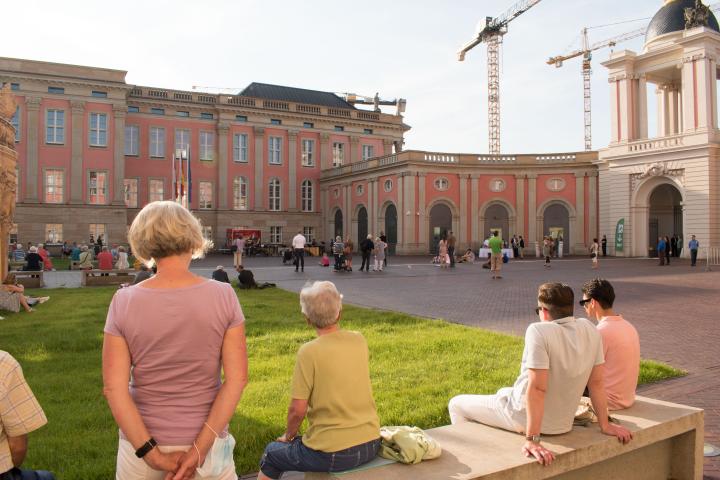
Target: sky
x,y
399,48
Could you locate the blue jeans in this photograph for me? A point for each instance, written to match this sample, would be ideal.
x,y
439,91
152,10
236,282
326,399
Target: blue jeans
x,y
296,457
17,474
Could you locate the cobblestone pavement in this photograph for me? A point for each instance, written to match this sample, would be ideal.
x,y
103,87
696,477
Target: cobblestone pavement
x,y
673,307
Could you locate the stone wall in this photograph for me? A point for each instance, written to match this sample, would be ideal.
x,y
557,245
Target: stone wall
x,y
8,159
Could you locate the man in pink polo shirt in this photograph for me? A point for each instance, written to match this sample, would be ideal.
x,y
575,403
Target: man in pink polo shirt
x,y
621,344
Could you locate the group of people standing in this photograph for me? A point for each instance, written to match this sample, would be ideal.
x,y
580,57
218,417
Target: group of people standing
x,y
668,247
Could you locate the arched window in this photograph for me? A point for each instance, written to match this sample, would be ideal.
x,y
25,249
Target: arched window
x,y
274,195
306,196
240,193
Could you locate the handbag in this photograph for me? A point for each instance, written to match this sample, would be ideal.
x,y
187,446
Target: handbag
x,y
233,248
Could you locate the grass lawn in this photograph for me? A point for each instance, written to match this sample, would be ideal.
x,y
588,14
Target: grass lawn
x,y
417,365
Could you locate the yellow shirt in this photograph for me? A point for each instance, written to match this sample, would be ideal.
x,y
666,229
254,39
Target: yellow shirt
x,y
332,373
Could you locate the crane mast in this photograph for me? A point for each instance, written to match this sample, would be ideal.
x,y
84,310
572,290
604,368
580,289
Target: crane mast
x,y
492,33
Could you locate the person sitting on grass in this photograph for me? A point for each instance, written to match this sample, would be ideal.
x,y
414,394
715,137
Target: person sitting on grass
x,y
20,414
331,386
12,296
562,355
220,275
246,279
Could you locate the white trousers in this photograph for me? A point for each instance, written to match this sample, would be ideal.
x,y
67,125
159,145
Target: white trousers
x,y
485,409
129,467
378,264
237,258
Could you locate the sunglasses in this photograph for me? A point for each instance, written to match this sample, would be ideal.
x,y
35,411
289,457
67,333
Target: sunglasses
x,y
584,301
537,310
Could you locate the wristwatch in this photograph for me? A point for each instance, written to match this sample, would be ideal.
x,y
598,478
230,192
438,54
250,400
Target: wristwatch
x,y
145,448
533,438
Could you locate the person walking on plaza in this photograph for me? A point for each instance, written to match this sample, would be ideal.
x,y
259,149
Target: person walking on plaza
x,y
443,253
174,358
451,248
621,343
239,245
522,247
661,250
667,250
562,355
496,259
380,248
693,245
547,250
331,387
298,244
348,252
383,237
366,248
594,252
604,246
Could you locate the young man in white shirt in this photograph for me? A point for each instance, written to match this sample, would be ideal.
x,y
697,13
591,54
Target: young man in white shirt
x,y
298,244
544,399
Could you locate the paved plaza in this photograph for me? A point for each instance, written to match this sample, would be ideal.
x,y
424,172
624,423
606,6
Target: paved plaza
x,y
673,307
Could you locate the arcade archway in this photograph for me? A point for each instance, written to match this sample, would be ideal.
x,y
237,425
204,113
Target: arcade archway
x,y
665,215
556,223
440,224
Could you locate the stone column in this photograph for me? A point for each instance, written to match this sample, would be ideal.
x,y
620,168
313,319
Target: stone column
x,y
325,159
119,112
462,234
223,128
422,219
324,211
293,180
401,248
475,239
532,234
354,141
76,162
348,214
373,228
387,146
8,163
259,165
408,180
642,113
580,242
520,205
592,204
32,104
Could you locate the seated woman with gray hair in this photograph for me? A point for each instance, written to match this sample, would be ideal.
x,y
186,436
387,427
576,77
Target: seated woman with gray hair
x,y
331,385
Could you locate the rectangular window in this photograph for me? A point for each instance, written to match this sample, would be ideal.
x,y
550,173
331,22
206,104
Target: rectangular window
x,y
306,196
55,126
15,120
308,125
54,186
368,131
157,191
132,109
58,90
206,196
309,233
97,188
275,121
339,128
275,150
131,192
182,114
206,116
240,193
98,130
53,232
157,142
274,195
275,234
157,111
182,139
132,140
15,86
338,153
97,230
368,151
308,153
241,118
98,94
207,145
240,147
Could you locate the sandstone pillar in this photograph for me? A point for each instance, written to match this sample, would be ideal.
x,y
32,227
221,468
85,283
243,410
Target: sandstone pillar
x,y
8,163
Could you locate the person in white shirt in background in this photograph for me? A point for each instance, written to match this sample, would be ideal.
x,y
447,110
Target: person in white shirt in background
x,y
298,245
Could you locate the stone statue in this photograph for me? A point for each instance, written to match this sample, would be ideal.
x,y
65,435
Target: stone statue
x,y
697,16
8,158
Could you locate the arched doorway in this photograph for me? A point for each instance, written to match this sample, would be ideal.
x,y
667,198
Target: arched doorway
x,y
338,224
665,215
497,218
362,225
391,228
556,222
440,224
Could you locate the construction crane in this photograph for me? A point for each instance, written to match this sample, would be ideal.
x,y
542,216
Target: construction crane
x,y
586,52
492,33
375,101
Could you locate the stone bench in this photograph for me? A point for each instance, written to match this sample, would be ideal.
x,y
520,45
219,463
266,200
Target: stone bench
x,y
667,444
101,278
30,279
75,265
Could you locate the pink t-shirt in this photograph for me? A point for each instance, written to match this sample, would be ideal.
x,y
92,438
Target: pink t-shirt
x,y
621,346
175,338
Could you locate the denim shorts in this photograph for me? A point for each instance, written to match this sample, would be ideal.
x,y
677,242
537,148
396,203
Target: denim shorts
x,y
295,456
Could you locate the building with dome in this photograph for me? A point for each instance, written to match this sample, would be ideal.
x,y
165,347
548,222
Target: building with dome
x,y
668,183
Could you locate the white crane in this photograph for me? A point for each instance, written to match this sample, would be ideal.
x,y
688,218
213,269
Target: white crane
x,y
492,33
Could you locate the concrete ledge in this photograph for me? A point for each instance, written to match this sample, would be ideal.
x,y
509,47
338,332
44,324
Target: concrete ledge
x,y
30,279
668,443
97,278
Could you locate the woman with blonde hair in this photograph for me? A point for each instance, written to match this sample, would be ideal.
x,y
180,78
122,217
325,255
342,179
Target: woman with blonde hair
x,y
176,332
12,296
122,261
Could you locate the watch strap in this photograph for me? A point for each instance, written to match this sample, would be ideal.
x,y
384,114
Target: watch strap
x,y
533,438
145,448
